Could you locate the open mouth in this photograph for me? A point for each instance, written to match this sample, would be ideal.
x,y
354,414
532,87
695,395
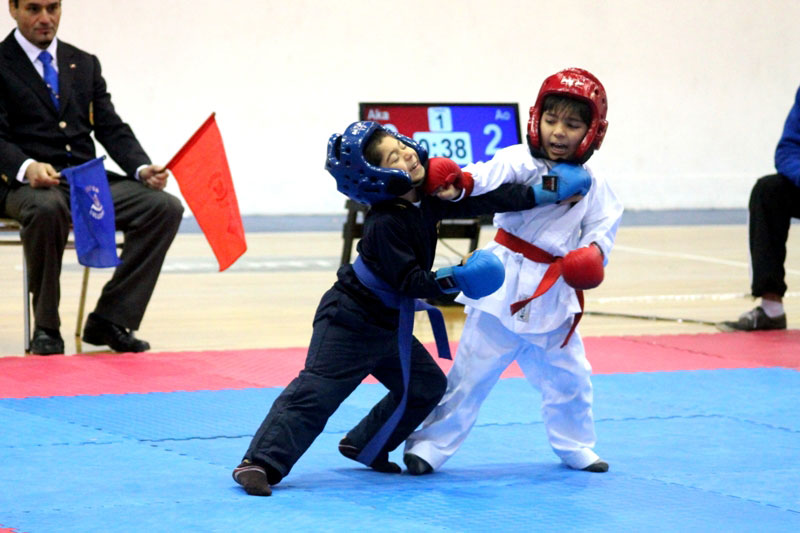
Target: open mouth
x,y
558,150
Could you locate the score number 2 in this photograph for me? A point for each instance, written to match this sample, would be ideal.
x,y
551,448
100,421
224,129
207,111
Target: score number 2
x,y
497,134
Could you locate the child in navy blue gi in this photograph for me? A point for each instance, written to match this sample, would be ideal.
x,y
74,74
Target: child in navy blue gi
x,y
361,326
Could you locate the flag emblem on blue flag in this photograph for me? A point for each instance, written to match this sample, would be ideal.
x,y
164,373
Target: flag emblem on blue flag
x,y
92,214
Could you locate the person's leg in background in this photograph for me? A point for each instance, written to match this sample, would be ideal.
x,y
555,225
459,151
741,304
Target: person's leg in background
x,y
149,220
45,218
774,201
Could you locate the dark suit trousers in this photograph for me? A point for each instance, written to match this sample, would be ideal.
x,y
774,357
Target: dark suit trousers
x,y
774,201
149,220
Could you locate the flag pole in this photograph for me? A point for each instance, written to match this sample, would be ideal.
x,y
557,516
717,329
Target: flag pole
x,y
190,142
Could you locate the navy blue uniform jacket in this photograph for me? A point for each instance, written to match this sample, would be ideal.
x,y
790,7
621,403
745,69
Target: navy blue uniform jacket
x,y
399,245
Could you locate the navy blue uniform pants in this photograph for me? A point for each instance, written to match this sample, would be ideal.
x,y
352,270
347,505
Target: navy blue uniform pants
x,y
344,350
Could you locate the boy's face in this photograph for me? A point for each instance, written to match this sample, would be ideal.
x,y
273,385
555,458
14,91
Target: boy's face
x,y
396,154
561,131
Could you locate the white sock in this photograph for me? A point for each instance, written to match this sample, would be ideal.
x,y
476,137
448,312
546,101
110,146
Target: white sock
x,y
771,308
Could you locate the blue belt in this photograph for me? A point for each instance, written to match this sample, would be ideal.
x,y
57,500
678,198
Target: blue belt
x,y
407,307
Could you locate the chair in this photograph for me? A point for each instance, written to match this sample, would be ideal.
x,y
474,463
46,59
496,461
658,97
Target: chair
x,y
10,227
469,228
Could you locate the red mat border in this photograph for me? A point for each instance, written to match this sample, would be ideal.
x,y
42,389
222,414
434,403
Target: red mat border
x,y
34,376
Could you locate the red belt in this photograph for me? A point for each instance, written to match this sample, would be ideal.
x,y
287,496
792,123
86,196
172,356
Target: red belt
x,y
537,255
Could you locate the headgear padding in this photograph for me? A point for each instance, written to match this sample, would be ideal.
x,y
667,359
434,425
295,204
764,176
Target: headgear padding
x,y
356,177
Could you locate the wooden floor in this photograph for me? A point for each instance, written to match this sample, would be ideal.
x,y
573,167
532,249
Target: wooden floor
x,y
268,298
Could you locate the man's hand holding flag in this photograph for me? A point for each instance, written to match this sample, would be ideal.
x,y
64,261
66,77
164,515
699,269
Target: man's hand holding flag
x,y
92,209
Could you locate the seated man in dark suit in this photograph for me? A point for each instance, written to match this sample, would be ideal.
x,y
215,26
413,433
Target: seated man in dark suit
x,y
52,98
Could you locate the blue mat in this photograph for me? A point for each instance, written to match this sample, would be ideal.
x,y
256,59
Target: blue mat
x,y
689,451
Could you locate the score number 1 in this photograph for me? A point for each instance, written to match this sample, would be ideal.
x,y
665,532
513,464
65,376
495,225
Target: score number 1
x,y
441,141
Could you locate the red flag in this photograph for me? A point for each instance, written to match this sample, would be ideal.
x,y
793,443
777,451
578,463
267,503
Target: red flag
x,y
202,172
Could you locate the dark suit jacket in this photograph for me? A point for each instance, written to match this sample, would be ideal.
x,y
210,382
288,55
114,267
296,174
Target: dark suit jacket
x,y
31,127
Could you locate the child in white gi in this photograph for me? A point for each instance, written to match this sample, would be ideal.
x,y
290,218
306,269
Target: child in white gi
x,y
550,254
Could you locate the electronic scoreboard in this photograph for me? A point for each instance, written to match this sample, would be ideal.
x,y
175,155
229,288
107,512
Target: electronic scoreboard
x,y
465,133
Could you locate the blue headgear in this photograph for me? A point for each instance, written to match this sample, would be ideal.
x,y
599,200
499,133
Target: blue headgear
x,y
355,177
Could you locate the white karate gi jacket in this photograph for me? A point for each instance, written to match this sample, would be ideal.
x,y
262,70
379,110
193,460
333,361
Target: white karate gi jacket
x,y
557,229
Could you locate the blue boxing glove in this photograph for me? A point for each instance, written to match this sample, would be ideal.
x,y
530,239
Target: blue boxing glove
x,y
481,275
563,181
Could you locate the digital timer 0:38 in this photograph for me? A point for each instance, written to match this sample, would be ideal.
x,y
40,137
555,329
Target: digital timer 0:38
x,y
455,145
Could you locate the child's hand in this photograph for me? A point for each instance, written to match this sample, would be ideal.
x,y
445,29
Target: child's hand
x,y
447,192
583,268
481,274
572,181
443,173
573,199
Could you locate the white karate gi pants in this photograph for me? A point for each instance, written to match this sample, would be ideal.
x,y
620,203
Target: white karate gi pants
x,y
486,348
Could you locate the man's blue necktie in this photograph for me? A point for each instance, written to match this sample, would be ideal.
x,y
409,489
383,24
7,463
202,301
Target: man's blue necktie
x,y
50,76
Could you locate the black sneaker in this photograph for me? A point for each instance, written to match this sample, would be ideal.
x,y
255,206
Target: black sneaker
x,y
416,465
380,464
253,478
754,320
598,466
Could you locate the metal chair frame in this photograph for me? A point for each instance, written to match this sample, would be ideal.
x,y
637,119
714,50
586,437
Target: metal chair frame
x,y
352,229
11,226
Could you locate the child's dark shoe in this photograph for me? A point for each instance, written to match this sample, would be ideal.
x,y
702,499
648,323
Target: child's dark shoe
x,y
598,466
380,464
253,478
416,465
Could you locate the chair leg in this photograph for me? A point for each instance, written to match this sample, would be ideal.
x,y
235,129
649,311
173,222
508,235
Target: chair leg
x,y
476,235
81,305
26,306
348,232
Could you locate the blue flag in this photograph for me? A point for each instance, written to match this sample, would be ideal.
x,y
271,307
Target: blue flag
x,y
92,214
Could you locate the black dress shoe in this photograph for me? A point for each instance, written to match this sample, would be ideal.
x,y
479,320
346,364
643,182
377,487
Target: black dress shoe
x,y
46,342
99,331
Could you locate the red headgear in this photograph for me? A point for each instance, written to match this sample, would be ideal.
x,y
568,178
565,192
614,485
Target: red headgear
x,y
581,85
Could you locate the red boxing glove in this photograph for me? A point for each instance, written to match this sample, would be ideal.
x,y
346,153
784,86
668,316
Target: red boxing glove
x,y
443,172
583,268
